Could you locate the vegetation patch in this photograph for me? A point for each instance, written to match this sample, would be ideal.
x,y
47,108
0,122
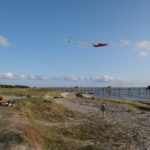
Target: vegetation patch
x,y
47,138
134,104
39,109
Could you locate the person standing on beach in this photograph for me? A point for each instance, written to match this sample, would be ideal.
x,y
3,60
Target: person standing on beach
x,y
103,109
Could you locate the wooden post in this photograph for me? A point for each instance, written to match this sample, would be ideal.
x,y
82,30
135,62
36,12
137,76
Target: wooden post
x,y
103,91
119,92
114,92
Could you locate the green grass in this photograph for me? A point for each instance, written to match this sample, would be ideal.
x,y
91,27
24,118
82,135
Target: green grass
x,y
131,103
85,131
30,92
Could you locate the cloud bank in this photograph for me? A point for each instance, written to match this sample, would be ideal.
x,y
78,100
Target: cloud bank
x,y
4,42
72,78
22,77
142,53
143,45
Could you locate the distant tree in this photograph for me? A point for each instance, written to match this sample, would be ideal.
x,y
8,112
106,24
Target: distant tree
x,y
13,86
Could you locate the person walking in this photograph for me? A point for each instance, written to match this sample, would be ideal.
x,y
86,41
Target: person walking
x,y
103,109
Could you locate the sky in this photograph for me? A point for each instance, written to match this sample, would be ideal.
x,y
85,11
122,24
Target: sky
x,y
34,52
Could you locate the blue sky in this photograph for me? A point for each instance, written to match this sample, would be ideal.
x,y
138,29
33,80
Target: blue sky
x,y
34,53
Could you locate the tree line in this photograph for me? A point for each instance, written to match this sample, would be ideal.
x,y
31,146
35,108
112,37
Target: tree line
x,y
13,86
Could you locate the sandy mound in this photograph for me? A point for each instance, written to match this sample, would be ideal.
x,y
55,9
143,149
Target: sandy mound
x,y
68,95
74,95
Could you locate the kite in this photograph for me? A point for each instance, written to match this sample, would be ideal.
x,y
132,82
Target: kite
x,y
100,44
86,45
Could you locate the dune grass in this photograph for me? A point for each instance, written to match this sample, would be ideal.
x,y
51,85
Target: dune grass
x,y
37,106
39,109
45,137
131,103
78,137
29,92
44,109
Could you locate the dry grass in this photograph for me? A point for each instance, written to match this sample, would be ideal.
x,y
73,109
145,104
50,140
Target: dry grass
x,y
131,103
39,109
46,138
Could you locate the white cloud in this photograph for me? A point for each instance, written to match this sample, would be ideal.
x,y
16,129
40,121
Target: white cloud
x,y
97,79
22,77
4,41
72,78
125,42
143,45
142,53
6,75
107,79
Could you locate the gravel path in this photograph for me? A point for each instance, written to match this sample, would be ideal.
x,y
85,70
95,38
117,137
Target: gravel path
x,y
80,107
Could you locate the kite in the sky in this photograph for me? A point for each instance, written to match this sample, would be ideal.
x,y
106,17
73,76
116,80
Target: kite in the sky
x,y
87,45
100,44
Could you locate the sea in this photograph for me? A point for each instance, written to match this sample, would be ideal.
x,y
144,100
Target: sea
x,y
120,93
131,94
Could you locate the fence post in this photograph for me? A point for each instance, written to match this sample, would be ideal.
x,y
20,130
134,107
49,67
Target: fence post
x,y
103,91
114,92
119,92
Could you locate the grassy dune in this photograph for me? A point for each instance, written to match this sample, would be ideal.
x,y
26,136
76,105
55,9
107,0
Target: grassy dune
x,y
33,111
